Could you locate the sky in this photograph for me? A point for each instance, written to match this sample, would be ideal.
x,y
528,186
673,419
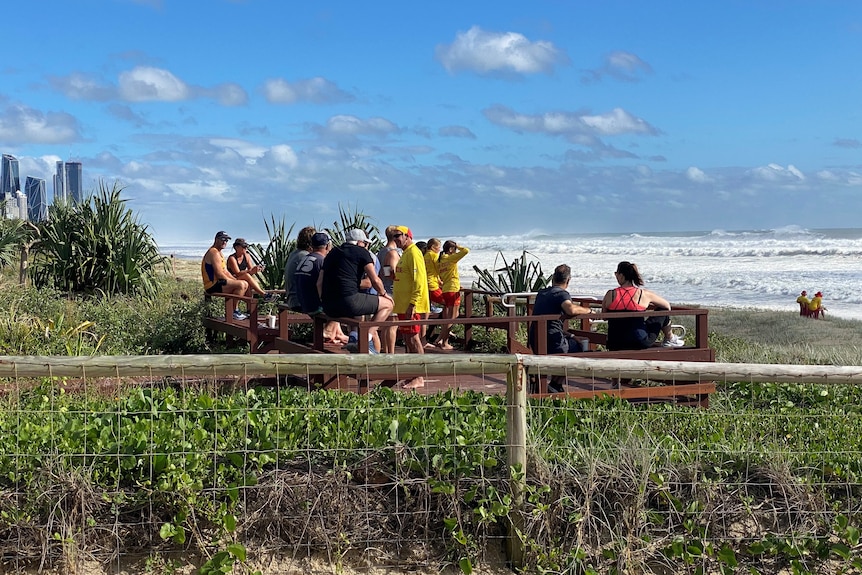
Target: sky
x,y
453,118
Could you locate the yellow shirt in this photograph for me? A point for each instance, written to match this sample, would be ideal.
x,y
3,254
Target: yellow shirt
x,y
802,300
431,270
447,266
411,282
814,304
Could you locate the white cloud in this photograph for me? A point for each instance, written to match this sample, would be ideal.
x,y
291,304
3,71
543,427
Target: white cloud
x,y
620,65
697,175
347,125
23,125
284,155
145,83
488,52
613,123
79,86
215,190
230,94
313,90
774,172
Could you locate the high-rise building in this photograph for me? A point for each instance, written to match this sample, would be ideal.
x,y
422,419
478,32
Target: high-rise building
x,y
37,200
74,182
21,205
9,180
60,182
69,182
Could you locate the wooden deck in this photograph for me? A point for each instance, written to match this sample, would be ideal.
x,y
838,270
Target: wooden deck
x,y
263,339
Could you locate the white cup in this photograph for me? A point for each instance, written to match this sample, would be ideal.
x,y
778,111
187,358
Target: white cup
x,y
270,321
387,270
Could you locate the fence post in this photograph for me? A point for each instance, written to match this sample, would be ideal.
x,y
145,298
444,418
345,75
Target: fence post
x,y
516,451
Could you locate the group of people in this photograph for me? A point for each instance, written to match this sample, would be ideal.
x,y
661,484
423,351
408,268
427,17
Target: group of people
x,y
813,307
399,280
623,333
234,275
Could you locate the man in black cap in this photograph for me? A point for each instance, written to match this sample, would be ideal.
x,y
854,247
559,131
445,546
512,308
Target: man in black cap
x,y
214,272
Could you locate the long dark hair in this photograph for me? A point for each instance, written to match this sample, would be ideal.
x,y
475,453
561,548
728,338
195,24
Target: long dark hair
x,y
630,271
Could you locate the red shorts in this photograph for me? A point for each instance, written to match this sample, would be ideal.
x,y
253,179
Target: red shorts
x,y
436,296
409,329
452,298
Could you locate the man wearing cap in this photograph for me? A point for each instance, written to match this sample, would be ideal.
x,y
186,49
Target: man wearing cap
x,y
214,272
815,306
411,294
306,276
803,302
340,280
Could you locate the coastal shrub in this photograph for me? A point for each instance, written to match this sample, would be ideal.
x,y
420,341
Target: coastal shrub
x,y
523,274
352,218
275,254
97,245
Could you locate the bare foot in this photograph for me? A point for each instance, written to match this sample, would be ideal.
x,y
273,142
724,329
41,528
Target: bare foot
x,y
429,346
445,346
414,383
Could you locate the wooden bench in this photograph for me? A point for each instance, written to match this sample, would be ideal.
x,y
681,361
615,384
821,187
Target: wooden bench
x,y
253,329
692,393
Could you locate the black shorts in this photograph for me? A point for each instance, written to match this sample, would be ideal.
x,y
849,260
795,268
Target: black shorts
x,y
216,287
354,306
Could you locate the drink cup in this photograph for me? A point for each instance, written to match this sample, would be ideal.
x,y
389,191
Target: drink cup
x,y
270,321
387,270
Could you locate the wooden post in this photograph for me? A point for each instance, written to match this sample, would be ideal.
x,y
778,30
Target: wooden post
x,y
516,448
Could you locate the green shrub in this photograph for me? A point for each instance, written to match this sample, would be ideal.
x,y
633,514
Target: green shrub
x,y
97,245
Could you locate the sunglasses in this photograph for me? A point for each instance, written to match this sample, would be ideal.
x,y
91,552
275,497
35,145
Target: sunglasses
x,y
398,235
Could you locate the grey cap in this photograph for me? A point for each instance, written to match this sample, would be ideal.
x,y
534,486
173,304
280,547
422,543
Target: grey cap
x,y
356,235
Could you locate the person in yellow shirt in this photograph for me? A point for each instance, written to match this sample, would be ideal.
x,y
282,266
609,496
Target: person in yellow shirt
x,y
447,267
803,302
815,306
410,292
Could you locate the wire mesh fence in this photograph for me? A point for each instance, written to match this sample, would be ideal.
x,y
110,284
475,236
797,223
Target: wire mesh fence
x,y
158,464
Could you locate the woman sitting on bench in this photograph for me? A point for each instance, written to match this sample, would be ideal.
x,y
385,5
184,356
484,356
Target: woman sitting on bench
x,y
636,332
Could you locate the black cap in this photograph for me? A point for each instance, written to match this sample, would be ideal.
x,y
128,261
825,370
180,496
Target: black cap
x,y
240,242
222,236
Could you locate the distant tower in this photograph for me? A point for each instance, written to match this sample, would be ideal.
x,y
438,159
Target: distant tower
x,y
37,200
9,181
60,182
21,205
74,182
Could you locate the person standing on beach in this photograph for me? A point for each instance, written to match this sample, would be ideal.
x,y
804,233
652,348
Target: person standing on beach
x,y
450,280
389,255
216,277
411,294
303,248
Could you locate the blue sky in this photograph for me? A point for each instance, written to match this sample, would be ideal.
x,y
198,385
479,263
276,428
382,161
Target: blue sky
x,y
454,118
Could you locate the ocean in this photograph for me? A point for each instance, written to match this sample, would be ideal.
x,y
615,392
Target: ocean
x,y
765,269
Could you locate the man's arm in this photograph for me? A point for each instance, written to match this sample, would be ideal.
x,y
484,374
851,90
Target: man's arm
x,y
571,309
374,279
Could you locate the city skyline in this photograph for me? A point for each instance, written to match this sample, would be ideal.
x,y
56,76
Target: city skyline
x,y
68,186
454,118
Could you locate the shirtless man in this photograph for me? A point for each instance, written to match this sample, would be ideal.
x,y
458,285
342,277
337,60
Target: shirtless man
x,y
214,272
